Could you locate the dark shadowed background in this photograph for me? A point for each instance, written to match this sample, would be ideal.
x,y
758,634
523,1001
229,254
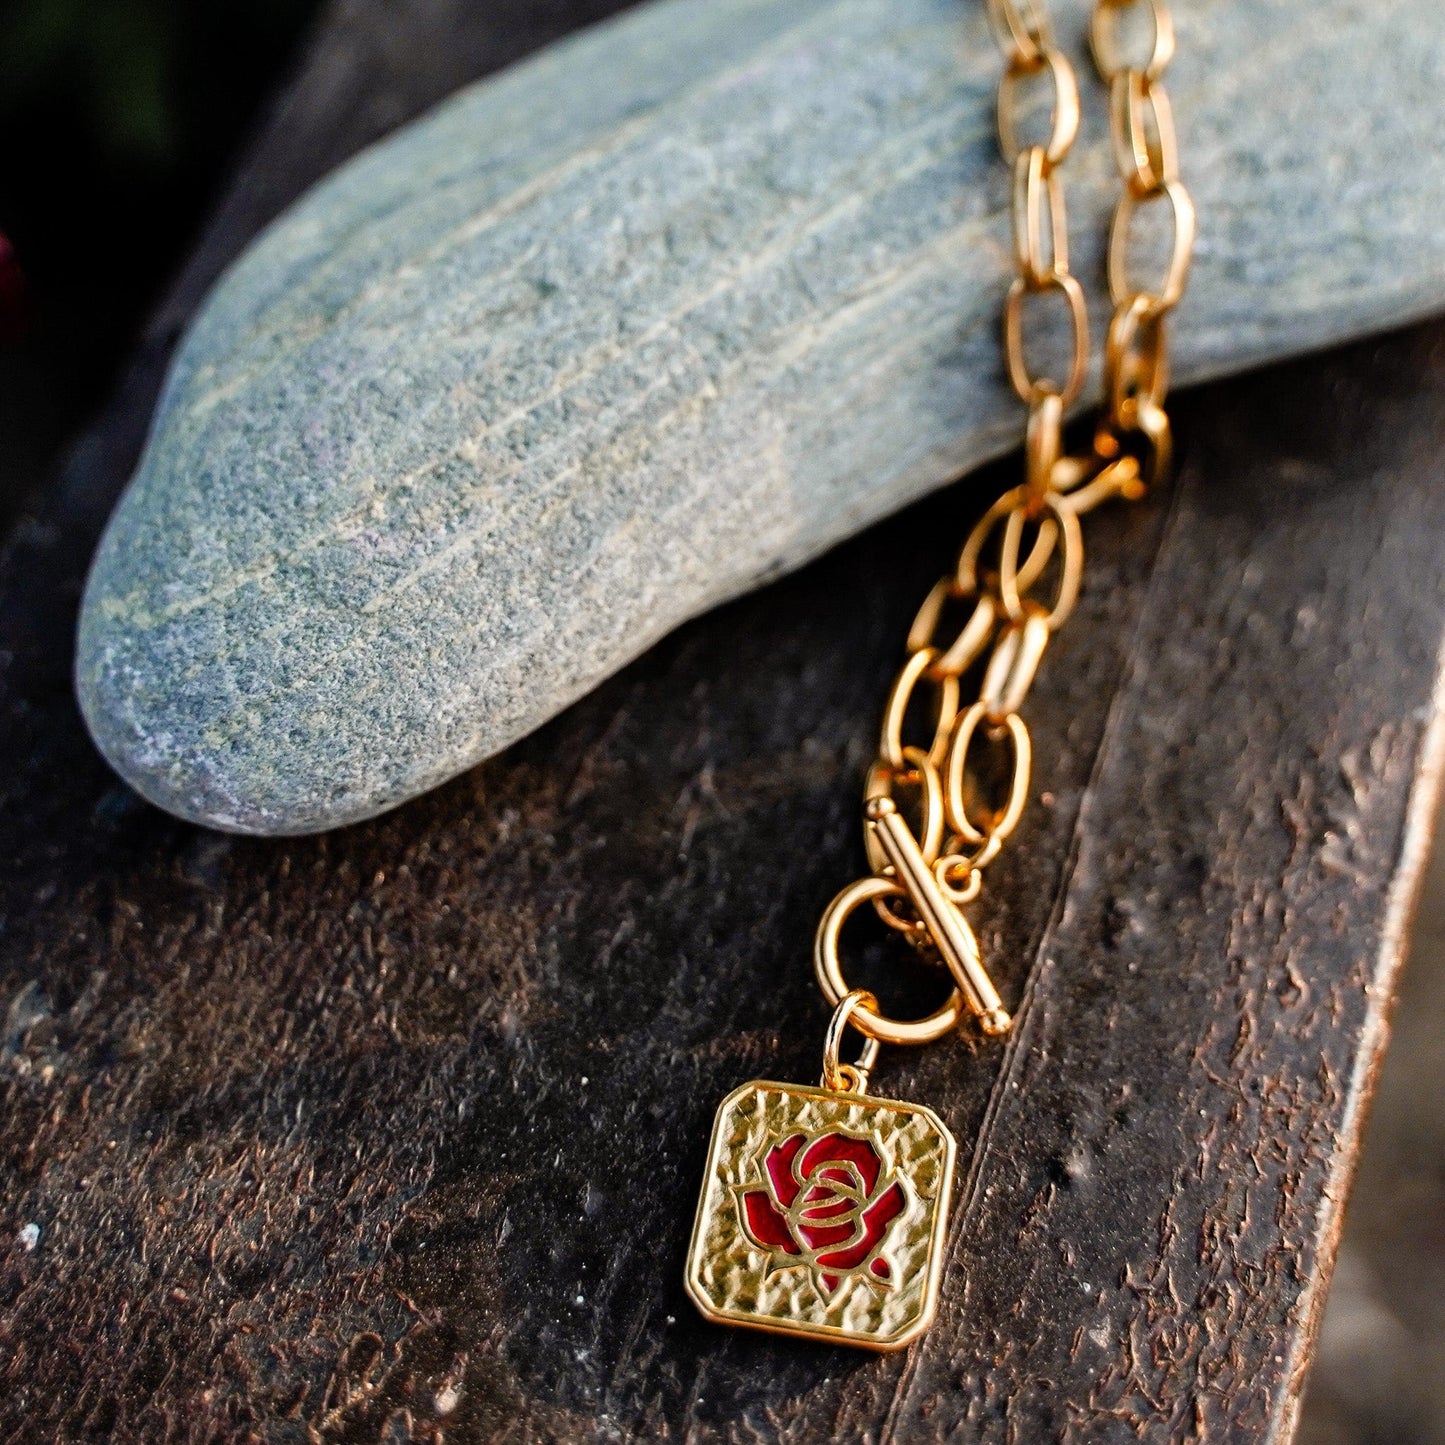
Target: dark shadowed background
x,y
122,119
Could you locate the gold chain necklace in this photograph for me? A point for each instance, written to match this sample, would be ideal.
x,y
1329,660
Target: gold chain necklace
x,y
824,1210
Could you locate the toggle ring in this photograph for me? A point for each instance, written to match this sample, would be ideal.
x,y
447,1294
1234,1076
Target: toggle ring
x,y
865,1018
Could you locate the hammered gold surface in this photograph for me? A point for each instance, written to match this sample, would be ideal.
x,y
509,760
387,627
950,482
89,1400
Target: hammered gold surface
x,y
733,1281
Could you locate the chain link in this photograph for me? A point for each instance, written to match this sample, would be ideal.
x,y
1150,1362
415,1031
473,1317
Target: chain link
x,y
1141,127
1019,572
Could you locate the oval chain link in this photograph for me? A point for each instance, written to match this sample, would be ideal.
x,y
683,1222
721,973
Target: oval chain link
x,y
1019,572
1146,153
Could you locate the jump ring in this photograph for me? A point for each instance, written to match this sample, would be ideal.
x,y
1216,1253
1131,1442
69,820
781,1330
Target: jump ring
x,y
836,1074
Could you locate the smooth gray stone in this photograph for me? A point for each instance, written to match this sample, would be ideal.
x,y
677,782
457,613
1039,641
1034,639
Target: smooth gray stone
x,y
647,321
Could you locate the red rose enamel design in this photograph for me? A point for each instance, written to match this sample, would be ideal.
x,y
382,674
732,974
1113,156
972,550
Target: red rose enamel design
x,y
824,1205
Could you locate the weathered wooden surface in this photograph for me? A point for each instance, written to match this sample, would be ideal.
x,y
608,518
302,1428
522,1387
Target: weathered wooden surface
x,y
394,1134
658,316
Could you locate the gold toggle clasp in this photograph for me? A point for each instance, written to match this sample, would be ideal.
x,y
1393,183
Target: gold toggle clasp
x,y
907,873
947,927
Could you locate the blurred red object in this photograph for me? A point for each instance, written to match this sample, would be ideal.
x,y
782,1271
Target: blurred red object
x,y
14,306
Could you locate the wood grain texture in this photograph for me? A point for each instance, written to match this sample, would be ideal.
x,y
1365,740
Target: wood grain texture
x,y
652,319
395,1134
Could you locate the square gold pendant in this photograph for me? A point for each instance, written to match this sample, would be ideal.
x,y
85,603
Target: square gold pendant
x,y
822,1214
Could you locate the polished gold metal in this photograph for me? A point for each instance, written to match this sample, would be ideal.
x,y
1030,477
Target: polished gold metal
x,y
1043,448
996,829
764,1251
1041,239
1119,480
939,808
829,970
972,637
1064,115
1011,668
1013,581
947,928
1142,126
1021,26
1029,387
1103,37
848,1078
1136,359
973,575
1170,289
920,666
921,773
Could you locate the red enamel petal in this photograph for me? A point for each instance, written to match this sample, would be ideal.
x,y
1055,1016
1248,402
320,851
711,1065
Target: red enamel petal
x,y
819,1236
849,1258
880,1268
827,1206
830,1283
843,1148
763,1224
879,1214
779,1165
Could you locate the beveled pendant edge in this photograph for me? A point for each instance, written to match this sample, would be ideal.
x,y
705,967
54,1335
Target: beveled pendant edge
x,y
823,1333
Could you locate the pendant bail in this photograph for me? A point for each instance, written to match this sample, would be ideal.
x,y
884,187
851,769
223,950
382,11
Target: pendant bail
x,y
838,1076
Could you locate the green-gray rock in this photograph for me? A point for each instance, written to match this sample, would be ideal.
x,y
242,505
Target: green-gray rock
x,y
652,318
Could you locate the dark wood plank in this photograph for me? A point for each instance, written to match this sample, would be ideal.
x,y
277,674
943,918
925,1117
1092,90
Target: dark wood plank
x,y
395,1133
1156,1207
